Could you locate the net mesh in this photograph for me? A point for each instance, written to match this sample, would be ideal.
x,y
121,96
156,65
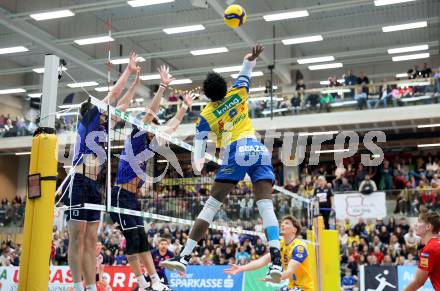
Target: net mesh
x,y
171,192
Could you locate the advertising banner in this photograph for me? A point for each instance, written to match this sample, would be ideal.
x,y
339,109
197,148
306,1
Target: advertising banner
x,y
203,278
406,275
380,278
252,281
355,205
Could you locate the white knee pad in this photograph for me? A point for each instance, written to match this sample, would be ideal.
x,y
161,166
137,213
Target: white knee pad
x,y
210,209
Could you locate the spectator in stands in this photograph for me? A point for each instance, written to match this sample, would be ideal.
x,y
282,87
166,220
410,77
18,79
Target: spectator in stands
x,y
437,84
61,254
349,281
120,258
350,78
363,81
344,186
242,256
367,186
5,259
387,176
325,102
296,102
414,73
325,197
426,71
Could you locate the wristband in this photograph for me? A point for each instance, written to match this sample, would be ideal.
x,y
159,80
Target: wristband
x,y
163,85
185,106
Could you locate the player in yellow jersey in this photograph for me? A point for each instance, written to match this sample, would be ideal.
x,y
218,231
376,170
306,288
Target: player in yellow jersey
x,y
227,117
295,259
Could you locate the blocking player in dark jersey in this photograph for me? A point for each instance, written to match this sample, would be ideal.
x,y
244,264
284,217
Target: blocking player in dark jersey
x,y
139,147
227,117
88,162
428,228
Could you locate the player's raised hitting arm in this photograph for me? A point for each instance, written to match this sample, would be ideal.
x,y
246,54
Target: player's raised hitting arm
x,y
249,62
124,102
165,80
117,89
172,125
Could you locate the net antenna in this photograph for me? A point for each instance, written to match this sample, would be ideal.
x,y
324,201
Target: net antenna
x,y
109,119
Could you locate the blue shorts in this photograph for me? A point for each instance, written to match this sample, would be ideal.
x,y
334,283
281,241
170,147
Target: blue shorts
x,y
246,156
84,190
122,198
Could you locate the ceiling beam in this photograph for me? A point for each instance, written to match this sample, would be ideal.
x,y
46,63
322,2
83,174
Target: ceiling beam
x,y
45,40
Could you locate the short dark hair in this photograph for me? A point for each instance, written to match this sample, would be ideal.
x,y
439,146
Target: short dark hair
x,y
431,218
215,87
294,221
163,239
85,107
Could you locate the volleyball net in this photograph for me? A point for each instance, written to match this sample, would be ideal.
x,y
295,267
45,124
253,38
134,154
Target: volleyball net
x,y
171,192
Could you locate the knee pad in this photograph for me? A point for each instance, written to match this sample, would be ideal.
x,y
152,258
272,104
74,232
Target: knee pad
x,y
144,246
210,209
132,239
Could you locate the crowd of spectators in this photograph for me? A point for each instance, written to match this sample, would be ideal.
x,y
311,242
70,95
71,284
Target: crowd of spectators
x,y
18,126
10,252
358,88
12,212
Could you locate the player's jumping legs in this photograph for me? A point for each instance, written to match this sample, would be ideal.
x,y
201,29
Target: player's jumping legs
x,y
263,195
89,256
75,252
219,192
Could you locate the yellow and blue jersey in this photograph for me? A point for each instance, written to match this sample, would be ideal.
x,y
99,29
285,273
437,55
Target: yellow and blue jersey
x,y
228,116
297,251
229,120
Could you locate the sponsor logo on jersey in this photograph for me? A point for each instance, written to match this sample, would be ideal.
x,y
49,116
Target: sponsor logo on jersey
x,y
233,101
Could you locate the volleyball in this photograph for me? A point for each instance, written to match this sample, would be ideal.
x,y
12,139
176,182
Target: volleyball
x,y
235,16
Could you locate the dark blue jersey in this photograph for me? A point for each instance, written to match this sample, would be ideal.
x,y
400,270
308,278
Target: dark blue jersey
x,y
134,158
89,124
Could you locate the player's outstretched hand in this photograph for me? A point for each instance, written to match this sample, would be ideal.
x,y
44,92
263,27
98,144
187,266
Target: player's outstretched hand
x,y
233,270
256,52
188,98
132,62
165,77
268,279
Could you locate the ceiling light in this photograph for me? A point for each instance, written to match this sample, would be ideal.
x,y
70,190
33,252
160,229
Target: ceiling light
x,y
103,89
82,84
254,74
139,99
331,151
428,145
22,153
41,70
325,66
181,82
227,69
126,61
183,29
304,39
139,3
35,95
408,49
318,133
316,60
150,77
259,89
52,15
402,75
286,15
389,2
411,57
92,40
405,26
14,49
12,91
211,51
428,125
